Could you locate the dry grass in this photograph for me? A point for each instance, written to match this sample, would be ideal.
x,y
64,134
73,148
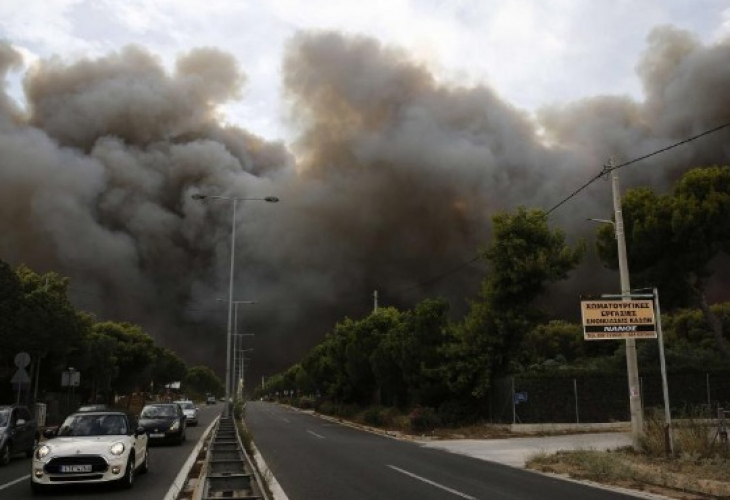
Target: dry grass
x,y
699,467
673,478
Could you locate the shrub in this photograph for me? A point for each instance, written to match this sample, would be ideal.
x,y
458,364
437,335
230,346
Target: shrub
x,y
423,419
326,408
238,409
456,413
305,403
374,416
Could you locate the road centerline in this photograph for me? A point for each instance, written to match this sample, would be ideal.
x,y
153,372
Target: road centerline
x,y
432,483
315,434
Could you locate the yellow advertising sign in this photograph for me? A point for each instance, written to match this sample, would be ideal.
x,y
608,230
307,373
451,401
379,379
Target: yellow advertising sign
x,y
618,319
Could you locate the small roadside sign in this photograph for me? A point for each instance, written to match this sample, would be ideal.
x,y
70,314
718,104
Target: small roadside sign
x,y
20,378
520,397
22,359
70,378
618,319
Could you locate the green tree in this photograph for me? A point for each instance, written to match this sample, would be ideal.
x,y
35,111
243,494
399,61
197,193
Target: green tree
x,y
47,325
525,256
135,355
202,380
10,300
672,239
168,367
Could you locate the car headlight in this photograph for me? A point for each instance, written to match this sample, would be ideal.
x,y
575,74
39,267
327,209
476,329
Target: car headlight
x,y
42,452
116,449
175,426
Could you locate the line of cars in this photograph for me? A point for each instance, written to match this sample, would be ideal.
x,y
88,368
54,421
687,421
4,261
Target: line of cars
x,y
95,444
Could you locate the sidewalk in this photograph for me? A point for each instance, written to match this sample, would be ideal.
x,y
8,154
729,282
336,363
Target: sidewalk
x,y
516,451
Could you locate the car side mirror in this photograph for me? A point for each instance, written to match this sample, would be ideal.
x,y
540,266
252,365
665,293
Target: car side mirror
x,y
140,430
50,433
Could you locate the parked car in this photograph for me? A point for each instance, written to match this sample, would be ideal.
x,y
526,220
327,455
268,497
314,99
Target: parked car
x,y
18,432
90,448
164,422
190,411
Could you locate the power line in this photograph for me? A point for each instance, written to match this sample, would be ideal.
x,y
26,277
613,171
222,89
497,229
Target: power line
x,y
680,143
606,170
603,171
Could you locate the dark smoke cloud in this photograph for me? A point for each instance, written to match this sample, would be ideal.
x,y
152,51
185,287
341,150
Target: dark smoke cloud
x,y
392,180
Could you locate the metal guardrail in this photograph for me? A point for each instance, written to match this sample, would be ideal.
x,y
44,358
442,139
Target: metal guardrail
x,y
228,471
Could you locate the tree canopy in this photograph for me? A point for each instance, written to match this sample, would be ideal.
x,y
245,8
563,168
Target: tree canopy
x,y
672,239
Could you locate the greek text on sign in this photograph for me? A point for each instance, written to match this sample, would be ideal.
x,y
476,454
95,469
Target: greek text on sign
x,y
618,319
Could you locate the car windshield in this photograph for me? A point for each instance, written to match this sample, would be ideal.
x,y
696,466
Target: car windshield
x,y
187,405
161,411
93,425
4,416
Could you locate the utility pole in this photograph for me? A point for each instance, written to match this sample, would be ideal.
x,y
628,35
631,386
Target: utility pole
x,y
632,366
375,301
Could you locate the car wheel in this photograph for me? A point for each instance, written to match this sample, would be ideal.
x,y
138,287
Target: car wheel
x,y
145,467
5,454
127,481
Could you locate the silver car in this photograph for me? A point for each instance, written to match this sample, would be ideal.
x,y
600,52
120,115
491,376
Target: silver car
x,y
190,411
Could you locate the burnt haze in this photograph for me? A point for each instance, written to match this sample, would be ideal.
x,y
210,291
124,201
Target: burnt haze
x,y
392,180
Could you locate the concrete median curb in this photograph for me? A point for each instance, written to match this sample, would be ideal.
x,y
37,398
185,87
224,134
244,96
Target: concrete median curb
x,y
182,477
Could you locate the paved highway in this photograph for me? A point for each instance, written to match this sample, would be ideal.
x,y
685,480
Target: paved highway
x,y
315,458
165,461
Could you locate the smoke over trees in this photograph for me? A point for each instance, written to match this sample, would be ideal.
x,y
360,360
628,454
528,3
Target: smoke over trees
x,y
392,180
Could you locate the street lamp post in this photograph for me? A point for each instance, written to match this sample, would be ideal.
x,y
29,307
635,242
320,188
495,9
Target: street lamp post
x,y
242,367
235,333
235,200
237,346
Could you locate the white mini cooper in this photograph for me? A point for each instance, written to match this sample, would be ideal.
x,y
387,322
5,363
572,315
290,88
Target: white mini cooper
x,y
91,447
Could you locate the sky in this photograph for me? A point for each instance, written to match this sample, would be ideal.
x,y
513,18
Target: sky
x,y
532,53
392,132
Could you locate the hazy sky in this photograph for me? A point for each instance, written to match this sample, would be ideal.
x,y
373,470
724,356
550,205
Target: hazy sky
x,y
531,52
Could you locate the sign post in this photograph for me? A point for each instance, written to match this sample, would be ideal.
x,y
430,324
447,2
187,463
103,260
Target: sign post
x,y
21,378
629,316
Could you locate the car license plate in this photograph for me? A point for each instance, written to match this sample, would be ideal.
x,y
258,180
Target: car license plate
x,y
76,468
157,435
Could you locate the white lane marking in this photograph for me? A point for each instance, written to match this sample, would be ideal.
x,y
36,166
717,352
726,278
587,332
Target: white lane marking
x,y
285,420
11,483
315,434
432,483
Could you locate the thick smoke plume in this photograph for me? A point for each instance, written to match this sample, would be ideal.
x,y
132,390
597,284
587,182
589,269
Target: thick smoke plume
x,y
392,180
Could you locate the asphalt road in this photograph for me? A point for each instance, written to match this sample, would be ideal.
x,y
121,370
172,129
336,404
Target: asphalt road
x,y
315,458
165,464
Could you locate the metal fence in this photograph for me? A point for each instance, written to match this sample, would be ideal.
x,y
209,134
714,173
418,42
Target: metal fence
x,y
598,399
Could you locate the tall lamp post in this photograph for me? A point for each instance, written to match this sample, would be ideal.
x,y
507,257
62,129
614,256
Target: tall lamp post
x,y
235,333
242,367
235,200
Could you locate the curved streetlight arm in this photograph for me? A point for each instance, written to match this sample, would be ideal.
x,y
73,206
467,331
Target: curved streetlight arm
x,y
198,196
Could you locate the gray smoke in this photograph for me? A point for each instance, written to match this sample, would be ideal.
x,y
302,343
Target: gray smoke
x,y
392,180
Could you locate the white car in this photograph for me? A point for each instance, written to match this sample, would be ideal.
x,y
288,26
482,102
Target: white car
x,y
91,447
190,411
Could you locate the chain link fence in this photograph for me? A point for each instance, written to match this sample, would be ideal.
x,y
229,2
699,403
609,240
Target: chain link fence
x,y
603,399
